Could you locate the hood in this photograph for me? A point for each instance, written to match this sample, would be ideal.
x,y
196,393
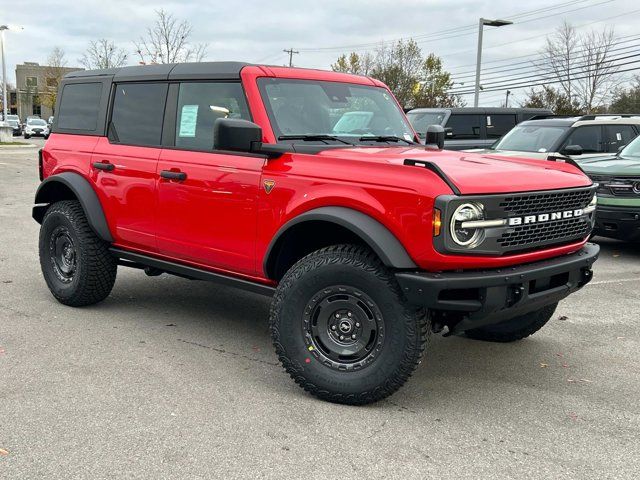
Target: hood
x,y
510,153
475,173
613,166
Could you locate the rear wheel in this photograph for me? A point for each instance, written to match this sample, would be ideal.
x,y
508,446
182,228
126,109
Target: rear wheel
x,y
516,328
76,264
342,329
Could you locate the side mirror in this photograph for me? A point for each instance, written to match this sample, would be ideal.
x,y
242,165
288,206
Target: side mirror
x,y
572,150
235,135
448,131
435,136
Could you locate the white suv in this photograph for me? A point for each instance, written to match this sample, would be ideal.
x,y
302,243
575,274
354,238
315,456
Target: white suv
x,y
36,127
585,136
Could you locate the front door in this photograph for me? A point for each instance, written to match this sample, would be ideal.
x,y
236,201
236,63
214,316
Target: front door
x,y
207,201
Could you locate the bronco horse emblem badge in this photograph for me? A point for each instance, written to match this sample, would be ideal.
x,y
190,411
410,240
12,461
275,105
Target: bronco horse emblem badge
x,y
268,185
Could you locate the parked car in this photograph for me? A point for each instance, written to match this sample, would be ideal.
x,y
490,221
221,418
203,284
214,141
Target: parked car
x,y
471,127
588,135
36,127
618,179
367,240
17,128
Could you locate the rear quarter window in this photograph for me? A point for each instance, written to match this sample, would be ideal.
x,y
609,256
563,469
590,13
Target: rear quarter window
x,y
80,106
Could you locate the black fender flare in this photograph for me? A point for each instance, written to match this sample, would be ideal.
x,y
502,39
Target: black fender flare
x,y
83,191
371,231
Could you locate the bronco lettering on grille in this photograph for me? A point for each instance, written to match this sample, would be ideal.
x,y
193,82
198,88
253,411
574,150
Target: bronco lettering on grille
x,y
545,217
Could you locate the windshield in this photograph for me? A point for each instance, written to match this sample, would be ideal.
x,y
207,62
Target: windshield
x,y
632,150
36,121
421,120
530,138
332,111
13,117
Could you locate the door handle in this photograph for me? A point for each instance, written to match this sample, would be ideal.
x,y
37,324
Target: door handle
x,y
171,175
106,166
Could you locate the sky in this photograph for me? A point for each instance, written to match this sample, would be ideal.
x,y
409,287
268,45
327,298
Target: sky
x,y
258,31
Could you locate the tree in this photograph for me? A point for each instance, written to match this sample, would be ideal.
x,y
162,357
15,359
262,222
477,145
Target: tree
x,y
626,100
103,54
56,63
167,41
582,65
354,63
553,99
413,79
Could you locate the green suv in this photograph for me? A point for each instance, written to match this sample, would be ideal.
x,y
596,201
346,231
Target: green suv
x,y
618,178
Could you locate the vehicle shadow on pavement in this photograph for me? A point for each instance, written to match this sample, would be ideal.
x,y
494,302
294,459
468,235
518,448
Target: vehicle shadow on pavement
x,y
609,246
201,315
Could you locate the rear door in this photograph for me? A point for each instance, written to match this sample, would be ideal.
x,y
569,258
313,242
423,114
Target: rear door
x,y
207,200
124,163
467,131
618,136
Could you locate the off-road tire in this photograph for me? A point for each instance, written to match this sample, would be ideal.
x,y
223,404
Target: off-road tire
x,y
94,271
356,271
516,328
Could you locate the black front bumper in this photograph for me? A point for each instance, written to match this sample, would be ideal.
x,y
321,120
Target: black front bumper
x,y
622,223
480,298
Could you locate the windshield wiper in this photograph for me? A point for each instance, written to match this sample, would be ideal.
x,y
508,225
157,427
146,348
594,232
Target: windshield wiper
x,y
385,138
311,138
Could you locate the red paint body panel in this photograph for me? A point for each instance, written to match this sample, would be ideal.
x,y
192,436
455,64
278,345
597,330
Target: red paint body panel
x,y
221,218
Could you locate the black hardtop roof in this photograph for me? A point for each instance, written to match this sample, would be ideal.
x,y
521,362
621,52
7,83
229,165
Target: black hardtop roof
x,y
168,71
483,110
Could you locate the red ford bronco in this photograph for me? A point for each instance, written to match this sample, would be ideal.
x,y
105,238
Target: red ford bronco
x,y
311,187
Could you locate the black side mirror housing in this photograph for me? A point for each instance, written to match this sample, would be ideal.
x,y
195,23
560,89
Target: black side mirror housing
x,y
572,150
235,135
435,136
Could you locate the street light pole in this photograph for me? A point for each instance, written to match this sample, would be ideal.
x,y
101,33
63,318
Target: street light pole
x,y
5,100
481,24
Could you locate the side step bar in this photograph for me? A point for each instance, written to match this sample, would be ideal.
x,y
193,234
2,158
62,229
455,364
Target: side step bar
x,y
191,272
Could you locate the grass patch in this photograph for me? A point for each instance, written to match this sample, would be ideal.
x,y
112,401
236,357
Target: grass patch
x,y
12,143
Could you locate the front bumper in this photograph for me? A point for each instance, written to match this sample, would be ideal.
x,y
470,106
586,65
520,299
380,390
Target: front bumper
x,y
622,223
480,298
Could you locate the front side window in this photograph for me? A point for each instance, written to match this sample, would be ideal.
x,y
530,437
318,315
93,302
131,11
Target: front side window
x,y
499,124
531,138
200,104
465,126
138,111
619,136
341,110
588,137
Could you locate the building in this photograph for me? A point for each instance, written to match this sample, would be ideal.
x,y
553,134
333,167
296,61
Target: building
x,y
37,87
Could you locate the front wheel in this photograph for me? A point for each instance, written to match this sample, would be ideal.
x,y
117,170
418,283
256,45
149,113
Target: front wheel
x,y
76,264
343,330
515,328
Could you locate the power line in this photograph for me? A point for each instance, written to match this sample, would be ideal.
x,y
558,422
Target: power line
x,y
291,51
446,34
578,67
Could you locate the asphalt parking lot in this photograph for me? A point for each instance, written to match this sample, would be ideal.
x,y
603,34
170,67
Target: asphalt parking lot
x,y
175,379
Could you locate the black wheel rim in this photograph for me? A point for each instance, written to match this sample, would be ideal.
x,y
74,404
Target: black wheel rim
x,y
343,328
63,254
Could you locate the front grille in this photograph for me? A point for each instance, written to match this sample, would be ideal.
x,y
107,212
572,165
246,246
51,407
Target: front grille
x,y
546,202
527,236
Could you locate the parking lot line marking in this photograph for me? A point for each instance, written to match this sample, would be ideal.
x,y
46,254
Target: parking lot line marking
x,y
622,280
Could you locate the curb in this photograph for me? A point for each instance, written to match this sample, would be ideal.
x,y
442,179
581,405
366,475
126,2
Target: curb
x,y
26,145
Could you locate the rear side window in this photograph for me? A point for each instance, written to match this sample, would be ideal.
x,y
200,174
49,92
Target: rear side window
x,y
619,135
200,104
138,111
79,106
465,126
498,125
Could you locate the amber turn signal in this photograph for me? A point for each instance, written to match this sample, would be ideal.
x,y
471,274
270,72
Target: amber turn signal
x,y
437,222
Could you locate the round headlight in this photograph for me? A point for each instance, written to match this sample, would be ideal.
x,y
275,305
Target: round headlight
x,y
467,237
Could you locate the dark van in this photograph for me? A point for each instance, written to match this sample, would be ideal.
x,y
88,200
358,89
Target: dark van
x,y
471,127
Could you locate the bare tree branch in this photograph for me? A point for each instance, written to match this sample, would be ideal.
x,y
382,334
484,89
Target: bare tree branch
x,y
103,54
167,41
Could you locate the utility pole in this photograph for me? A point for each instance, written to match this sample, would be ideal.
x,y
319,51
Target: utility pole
x,y
506,101
5,100
290,51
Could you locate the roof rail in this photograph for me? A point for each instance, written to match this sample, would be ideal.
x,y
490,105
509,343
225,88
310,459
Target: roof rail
x,y
615,115
551,115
